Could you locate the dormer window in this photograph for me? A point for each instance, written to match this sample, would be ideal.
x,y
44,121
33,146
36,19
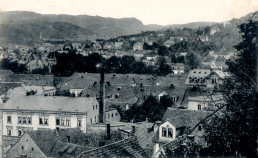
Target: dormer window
x,y
174,98
194,72
167,132
119,88
117,95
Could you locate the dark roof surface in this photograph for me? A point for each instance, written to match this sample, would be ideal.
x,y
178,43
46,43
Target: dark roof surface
x,y
125,148
184,117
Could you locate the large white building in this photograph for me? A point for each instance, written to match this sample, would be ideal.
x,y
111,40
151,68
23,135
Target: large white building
x,y
48,112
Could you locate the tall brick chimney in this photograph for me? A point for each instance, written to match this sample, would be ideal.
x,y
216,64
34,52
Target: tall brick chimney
x,y
102,97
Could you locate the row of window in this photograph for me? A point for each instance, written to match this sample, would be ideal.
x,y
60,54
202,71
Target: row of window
x,y
43,120
112,115
95,107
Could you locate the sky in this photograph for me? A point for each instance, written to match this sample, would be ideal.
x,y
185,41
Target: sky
x,y
162,12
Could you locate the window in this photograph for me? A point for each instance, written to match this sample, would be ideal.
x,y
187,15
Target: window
x,y
9,132
95,119
93,107
19,120
41,120
62,121
22,147
116,113
167,132
108,115
29,119
200,128
68,122
24,120
199,107
9,119
19,132
46,120
58,121
164,131
32,149
111,115
90,120
79,122
96,106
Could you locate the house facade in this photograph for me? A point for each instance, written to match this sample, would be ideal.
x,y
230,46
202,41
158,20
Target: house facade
x,y
205,102
205,77
24,113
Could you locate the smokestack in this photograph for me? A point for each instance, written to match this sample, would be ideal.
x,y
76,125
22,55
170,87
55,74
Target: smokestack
x,y
108,132
102,97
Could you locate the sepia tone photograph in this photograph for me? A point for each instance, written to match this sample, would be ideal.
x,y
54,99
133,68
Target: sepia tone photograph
x,y
128,78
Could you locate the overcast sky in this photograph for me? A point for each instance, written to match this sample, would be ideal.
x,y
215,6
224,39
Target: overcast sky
x,y
161,12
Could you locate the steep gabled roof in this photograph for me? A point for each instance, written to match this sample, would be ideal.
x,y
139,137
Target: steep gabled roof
x,y
184,117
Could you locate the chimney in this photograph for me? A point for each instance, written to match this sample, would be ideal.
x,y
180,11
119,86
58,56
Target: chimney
x,y
133,129
108,132
102,97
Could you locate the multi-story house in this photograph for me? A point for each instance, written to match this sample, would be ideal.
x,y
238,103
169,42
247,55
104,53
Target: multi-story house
x,y
23,113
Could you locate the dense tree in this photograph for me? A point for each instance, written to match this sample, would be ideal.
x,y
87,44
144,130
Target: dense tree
x,y
191,62
5,64
151,109
234,131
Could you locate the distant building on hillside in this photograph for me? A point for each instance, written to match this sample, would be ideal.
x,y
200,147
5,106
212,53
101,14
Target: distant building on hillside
x,y
214,30
138,46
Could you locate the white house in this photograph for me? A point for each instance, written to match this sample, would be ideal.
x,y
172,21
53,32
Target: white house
x,y
23,113
205,102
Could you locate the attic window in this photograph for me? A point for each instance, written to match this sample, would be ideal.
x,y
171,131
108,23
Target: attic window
x,y
68,139
194,72
119,88
117,95
205,72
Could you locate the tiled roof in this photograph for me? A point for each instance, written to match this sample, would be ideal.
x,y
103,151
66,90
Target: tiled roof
x,y
49,103
183,117
55,144
144,134
5,73
22,90
32,80
125,148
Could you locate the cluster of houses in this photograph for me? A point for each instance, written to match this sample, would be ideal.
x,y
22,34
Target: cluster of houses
x,y
37,105
42,55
